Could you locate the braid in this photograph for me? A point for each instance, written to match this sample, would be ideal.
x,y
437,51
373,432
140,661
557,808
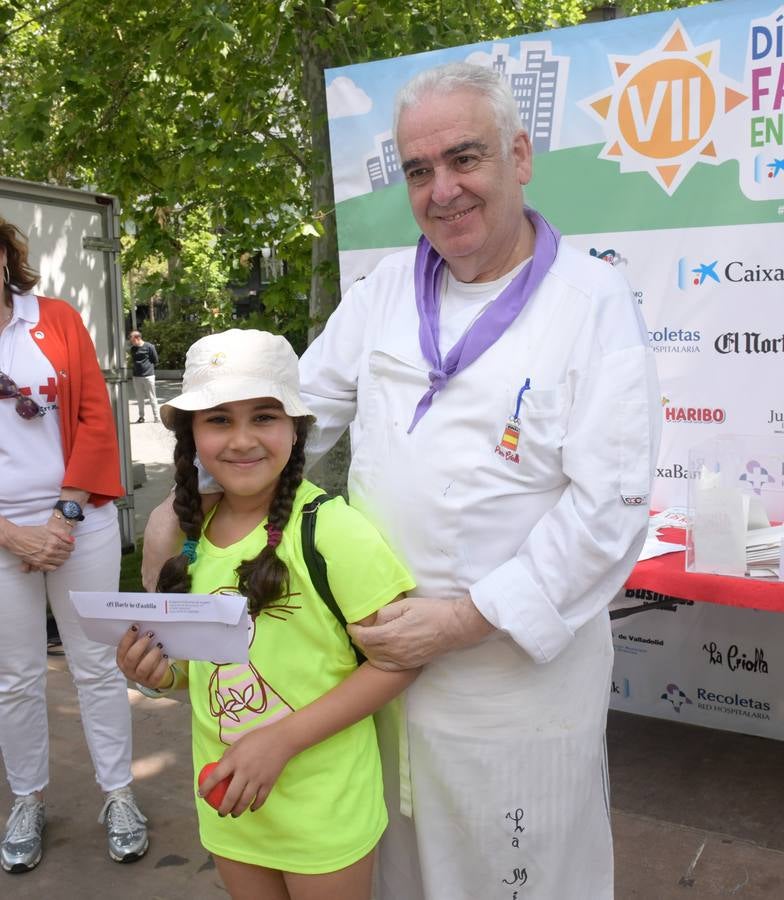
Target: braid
x,y
265,579
174,577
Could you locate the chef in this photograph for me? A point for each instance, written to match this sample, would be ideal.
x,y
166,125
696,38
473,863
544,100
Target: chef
x,y
503,407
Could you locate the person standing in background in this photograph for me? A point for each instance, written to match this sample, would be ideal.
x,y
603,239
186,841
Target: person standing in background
x,y
145,359
59,473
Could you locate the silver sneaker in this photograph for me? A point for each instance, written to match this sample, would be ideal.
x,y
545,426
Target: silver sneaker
x,y
125,826
21,847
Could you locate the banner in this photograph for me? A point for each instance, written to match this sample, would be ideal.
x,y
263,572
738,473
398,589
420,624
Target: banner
x,y
700,663
659,149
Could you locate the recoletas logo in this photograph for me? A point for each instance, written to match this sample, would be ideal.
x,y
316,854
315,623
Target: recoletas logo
x,y
676,697
756,476
674,340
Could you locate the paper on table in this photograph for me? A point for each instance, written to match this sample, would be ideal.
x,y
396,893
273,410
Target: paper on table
x,y
654,547
190,626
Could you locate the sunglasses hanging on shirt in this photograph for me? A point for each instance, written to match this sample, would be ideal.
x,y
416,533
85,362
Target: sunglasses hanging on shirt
x,y
26,407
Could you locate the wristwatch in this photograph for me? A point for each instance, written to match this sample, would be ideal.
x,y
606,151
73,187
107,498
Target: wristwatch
x,y
70,510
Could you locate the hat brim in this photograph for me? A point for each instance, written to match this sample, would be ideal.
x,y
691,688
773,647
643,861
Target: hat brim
x,y
229,390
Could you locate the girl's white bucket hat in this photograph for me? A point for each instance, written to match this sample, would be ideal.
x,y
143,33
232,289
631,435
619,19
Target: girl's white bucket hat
x,y
238,364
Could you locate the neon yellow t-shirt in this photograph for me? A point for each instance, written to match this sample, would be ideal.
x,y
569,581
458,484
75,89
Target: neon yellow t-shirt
x,y
326,810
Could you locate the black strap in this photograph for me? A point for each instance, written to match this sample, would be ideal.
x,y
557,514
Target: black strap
x,y
317,565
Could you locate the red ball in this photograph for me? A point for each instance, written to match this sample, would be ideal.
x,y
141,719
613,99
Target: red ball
x,y
216,795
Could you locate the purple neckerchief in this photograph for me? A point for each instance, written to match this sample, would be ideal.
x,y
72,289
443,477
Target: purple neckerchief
x,y
493,322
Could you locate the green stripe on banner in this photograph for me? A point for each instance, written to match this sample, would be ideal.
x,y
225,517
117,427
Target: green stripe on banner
x,y
580,194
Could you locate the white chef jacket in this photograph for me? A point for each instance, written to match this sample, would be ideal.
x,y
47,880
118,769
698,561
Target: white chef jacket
x,y
542,537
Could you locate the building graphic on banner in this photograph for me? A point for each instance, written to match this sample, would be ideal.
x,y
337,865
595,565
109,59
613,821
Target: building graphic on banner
x,y
535,81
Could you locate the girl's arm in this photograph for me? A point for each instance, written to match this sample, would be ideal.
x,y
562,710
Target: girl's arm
x,y
255,762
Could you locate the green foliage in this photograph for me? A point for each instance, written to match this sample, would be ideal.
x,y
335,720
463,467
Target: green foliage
x,y
207,120
172,339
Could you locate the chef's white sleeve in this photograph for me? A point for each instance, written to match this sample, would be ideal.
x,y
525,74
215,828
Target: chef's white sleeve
x,y
581,551
328,372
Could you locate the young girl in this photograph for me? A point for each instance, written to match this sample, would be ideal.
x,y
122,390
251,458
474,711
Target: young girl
x,y
292,728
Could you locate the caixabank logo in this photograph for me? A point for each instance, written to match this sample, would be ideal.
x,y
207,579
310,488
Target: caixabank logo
x,y
768,168
693,273
663,111
693,415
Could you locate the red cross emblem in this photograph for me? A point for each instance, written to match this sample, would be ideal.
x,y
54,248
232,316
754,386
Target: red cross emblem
x,y
48,390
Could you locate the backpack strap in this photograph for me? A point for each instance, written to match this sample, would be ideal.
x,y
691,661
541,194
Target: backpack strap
x,y
317,565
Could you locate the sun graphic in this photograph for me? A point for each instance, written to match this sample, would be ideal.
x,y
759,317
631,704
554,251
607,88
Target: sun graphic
x,y
661,114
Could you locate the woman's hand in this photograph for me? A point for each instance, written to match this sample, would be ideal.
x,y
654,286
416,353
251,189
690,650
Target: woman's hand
x,y
41,548
141,658
254,764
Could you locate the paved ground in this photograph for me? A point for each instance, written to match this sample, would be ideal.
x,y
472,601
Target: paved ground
x,y
696,812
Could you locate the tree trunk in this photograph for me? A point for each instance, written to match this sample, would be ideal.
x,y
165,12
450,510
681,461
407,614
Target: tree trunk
x,y
324,284
331,471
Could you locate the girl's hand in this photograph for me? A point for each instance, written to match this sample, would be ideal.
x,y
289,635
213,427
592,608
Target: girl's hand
x,y
254,764
141,658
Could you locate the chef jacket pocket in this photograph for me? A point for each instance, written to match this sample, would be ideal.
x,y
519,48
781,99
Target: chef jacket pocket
x,y
390,389
542,428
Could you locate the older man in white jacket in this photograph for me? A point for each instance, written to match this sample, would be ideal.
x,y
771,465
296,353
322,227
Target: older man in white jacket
x,y
503,405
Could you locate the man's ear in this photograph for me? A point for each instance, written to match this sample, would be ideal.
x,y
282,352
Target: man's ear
x,y
524,156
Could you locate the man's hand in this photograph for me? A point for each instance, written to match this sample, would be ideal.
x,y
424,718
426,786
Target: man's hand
x,y
416,630
254,764
41,548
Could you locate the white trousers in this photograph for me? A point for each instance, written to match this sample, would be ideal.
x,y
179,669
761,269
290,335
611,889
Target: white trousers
x,y
507,776
144,386
94,565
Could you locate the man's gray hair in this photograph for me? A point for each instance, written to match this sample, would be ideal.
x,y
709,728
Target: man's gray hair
x,y
462,76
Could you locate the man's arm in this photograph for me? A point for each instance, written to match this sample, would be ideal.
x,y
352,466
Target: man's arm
x,y
162,539
416,630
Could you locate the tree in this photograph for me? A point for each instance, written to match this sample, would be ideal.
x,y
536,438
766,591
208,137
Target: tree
x,y
216,107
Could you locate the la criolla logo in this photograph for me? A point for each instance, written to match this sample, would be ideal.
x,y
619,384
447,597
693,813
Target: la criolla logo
x,y
662,111
692,273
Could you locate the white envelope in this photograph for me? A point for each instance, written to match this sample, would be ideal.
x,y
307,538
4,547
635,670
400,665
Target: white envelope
x,y
210,627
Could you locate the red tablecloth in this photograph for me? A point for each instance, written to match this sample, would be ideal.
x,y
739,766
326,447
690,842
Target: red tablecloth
x,y
667,575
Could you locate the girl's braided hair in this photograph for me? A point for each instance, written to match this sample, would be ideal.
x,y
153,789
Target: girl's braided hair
x,y
263,579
